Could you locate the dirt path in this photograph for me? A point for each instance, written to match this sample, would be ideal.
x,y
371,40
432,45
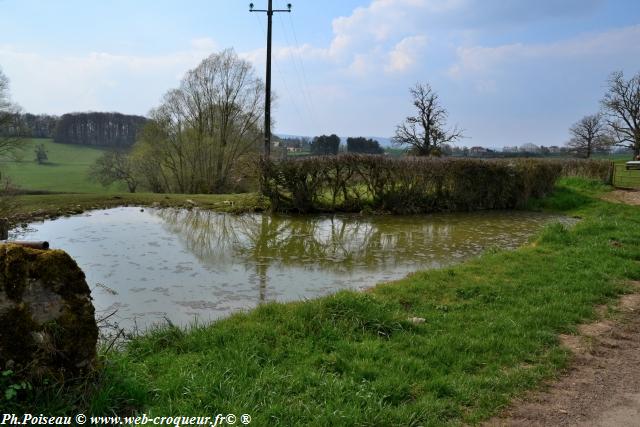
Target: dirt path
x,y
602,387
622,196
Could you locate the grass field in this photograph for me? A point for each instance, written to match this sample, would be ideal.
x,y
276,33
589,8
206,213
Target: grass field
x,y
618,158
65,171
490,333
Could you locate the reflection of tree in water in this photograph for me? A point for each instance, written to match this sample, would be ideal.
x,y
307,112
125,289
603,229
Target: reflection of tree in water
x,y
332,243
342,244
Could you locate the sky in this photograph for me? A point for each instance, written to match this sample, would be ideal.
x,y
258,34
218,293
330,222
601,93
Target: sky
x,y
508,71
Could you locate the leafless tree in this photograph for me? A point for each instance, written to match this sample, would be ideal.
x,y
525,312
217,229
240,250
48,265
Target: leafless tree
x,y
11,127
203,128
426,132
622,106
589,135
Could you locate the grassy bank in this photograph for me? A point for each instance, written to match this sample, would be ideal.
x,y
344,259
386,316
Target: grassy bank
x,y
26,208
490,332
65,170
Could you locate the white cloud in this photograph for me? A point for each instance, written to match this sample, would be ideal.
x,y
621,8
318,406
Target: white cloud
x,y
361,65
379,23
480,62
405,53
381,36
400,26
386,35
98,80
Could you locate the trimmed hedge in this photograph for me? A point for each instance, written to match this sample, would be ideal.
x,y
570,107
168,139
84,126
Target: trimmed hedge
x,y
594,169
351,183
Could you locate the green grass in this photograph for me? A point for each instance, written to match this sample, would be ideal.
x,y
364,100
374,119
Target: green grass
x,y
65,171
491,333
618,157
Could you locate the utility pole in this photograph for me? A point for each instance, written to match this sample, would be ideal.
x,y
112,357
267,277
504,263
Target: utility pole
x,y
267,107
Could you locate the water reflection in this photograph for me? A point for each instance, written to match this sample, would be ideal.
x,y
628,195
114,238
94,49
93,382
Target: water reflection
x,y
342,244
187,264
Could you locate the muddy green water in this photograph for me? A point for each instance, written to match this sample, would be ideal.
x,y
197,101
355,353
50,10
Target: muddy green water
x,y
183,265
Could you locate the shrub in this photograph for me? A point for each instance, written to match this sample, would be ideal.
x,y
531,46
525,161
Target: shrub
x,y
594,169
408,185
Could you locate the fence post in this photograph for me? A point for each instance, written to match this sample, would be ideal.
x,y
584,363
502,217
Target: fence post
x,y
612,173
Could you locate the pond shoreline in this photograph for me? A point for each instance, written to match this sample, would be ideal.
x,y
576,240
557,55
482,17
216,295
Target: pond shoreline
x,y
147,265
490,333
21,209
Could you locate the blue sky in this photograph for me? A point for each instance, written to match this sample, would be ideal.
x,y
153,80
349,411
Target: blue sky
x,y
509,71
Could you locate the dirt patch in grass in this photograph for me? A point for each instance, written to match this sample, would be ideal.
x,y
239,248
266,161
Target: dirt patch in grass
x,y
602,387
628,197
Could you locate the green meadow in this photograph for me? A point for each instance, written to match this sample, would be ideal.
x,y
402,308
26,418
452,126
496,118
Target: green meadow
x,y
65,170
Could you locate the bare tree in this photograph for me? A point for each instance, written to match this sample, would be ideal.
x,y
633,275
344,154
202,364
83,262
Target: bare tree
x,y
426,132
622,106
589,135
11,126
201,130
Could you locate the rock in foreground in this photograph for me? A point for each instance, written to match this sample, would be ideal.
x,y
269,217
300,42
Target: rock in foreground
x,y
47,323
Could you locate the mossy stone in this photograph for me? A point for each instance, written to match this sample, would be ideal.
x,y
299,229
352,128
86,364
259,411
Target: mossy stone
x,y
47,322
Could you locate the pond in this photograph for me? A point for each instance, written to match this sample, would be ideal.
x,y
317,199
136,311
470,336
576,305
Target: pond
x,y
150,265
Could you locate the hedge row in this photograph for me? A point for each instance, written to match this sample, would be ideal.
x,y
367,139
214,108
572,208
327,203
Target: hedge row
x,y
595,169
352,183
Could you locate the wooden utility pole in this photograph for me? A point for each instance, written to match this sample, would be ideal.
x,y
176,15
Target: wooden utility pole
x,y
267,101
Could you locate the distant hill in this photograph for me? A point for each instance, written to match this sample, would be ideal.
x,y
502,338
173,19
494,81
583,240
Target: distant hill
x,y
65,170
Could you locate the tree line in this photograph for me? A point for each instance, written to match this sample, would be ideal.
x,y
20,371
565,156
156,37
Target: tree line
x,y
324,145
101,129
39,125
91,128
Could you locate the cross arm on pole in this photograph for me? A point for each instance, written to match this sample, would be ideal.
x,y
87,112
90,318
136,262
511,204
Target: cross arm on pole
x,y
251,9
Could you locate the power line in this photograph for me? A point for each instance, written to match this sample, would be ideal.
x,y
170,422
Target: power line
x,y
295,59
280,74
304,73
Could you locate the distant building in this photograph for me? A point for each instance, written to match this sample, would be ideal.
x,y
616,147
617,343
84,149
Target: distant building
x,y
513,149
530,148
477,151
554,149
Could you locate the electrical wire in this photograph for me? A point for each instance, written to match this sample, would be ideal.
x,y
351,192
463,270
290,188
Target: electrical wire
x,y
296,107
297,67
